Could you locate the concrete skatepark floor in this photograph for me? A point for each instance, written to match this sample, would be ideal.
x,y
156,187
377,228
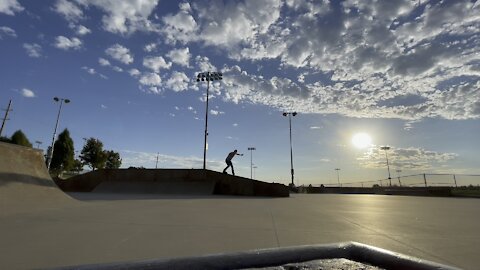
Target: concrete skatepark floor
x,y
108,228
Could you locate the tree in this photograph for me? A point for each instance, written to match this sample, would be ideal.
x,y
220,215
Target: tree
x,y
77,166
5,139
113,160
93,154
19,138
63,153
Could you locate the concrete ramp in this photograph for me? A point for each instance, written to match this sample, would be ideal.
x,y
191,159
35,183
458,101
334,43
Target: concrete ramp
x,y
25,184
170,181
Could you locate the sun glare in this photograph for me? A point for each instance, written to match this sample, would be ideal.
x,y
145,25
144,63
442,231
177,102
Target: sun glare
x,y
361,140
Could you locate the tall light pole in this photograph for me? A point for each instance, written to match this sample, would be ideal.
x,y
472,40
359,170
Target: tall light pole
x,y
6,116
50,154
338,176
156,162
290,114
251,160
38,144
398,175
209,77
386,148
254,167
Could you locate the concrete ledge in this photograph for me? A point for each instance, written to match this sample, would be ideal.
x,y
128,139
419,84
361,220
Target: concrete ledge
x,y
169,181
280,256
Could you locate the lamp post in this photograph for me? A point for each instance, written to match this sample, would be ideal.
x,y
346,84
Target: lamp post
x,y
386,148
209,77
398,175
290,114
338,176
38,144
251,160
254,167
50,154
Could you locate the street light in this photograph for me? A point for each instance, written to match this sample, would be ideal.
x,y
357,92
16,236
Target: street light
x,y
251,159
209,77
50,154
398,175
386,148
338,176
290,114
38,144
254,167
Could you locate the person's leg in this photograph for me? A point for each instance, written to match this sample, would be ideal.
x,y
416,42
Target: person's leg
x,y
229,163
233,172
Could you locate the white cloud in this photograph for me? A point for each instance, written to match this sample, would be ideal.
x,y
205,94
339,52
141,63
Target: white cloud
x,y
33,50
103,62
181,26
134,72
103,106
120,53
150,79
7,31
203,64
82,30
215,112
407,158
178,81
9,7
150,47
180,56
315,127
70,10
156,63
28,93
65,43
117,69
235,124
89,70
124,17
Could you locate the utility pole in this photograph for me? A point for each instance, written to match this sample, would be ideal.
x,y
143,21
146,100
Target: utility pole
x,y
6,116
156,163
251,160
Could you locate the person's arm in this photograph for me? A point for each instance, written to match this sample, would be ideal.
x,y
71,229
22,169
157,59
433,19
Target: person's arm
x,y
239,154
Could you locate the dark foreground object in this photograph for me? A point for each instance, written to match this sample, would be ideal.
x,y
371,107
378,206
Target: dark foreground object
x,y
169,181
268,258
408,191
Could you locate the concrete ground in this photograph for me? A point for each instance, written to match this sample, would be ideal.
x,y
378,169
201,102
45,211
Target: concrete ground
x,y
109,228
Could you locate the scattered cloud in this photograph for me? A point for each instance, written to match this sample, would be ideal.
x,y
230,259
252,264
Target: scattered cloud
x,y
103,106
65,43
27,93
124,18
235,124
120,53
89,70
9,7
6,31
103,62
406,158
315,127
33,50
150,47
134,72
177,82
82,30
156,63
215,112
150,79
68,9
180,56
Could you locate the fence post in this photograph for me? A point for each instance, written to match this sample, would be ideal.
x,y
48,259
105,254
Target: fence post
x,y
455,180
425,179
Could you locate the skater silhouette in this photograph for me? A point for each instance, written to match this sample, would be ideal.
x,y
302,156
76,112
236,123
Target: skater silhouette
x,y
228,160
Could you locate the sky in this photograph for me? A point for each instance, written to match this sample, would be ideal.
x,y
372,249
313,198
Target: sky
x,y
405,74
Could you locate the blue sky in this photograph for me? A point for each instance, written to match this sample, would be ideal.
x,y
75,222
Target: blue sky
x,y
404,72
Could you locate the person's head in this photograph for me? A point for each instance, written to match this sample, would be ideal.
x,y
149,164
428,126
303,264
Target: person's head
x,y
235,151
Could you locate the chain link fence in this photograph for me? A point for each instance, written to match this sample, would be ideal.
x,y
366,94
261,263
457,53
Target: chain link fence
x,y
418,180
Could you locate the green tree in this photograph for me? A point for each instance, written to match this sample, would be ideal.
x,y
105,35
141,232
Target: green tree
x,y
113,160
19,138
5,139
77,166
93,154
63,153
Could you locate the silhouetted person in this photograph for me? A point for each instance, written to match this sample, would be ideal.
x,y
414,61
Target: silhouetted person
x,y
228,160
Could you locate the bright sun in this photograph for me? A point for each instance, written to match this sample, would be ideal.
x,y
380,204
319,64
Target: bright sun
x,y
361,140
